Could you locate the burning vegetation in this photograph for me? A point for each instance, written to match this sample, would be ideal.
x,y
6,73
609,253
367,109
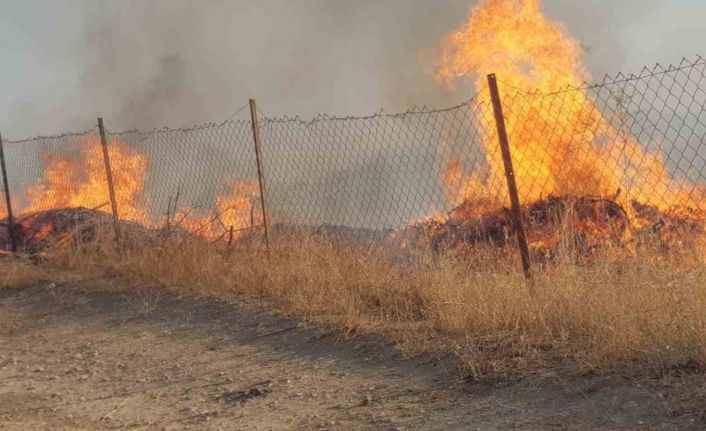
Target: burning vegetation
x,y
72,199
584,181
575,170
587,187
588,227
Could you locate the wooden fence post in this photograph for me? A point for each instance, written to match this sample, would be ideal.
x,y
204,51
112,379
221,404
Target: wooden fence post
x,y
517,221
8,200
111,187
260,174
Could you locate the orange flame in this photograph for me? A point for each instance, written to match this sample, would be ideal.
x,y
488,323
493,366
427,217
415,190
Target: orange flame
x,y
82,182
555,146
68,183
234,210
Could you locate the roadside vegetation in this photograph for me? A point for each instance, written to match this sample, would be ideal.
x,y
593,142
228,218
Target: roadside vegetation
x,y
647,311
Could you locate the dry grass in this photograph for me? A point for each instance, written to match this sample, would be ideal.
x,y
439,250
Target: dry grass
x,y
596,317
22,271
18,272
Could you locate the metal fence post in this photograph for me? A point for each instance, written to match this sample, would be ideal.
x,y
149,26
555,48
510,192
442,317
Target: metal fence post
x,y
111,188
8,200
517,222
260,174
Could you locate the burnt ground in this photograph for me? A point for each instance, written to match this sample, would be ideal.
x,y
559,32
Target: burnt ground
x,y
97,356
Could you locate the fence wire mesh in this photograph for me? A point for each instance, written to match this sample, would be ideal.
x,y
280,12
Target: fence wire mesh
x,y
52,172
379,172
202,178
637,138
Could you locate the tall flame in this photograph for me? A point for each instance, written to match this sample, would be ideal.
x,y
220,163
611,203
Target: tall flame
x,y
69,183
564,147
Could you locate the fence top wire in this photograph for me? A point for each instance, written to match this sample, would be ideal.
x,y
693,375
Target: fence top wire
x,y
415,110
618,78
53,137
144,135
242,108
195,128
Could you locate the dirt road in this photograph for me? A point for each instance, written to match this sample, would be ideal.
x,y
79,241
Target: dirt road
x,y
95,356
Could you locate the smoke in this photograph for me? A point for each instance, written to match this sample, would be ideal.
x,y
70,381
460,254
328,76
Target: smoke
x,y
160,96
140,68
149,63
154,63
612,33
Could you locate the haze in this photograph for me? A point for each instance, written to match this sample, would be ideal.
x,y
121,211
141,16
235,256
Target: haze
x,y
146,64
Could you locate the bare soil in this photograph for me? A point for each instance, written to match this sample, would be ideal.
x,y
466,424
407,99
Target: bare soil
x,y
96,355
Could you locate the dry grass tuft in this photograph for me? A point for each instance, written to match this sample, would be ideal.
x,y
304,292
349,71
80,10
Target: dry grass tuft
x,y
645,310
18,272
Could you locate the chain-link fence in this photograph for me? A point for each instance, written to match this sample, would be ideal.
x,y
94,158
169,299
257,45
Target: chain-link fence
x,y
639,136
638,139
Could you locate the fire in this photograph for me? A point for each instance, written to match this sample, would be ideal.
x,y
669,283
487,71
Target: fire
x,y
82,182
576,170
559,148
235,209
238,208
69,183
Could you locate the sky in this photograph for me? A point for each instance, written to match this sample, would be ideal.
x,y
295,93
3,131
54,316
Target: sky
x,y
152,63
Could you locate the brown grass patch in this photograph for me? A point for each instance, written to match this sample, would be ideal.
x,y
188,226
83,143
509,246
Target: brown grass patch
x,y
645,310
16,272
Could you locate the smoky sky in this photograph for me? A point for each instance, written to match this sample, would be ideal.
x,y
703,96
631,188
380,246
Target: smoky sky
x,y
151,63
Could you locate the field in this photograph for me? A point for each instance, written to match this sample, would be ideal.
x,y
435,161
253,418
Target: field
x,y
604,345
99,355
591,316
363,272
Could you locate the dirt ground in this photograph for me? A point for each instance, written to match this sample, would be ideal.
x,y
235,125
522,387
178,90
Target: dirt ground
x,y
96,356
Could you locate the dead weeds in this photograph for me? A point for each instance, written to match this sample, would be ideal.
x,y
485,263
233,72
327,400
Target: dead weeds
x,y
596,317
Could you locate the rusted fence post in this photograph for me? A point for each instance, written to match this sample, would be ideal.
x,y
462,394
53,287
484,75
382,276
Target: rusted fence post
x,y
111,187
260,174
230,237
8,200
517,222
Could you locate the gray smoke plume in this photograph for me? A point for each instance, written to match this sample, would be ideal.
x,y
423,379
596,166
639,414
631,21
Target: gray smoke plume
x,y
179,62
149,63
